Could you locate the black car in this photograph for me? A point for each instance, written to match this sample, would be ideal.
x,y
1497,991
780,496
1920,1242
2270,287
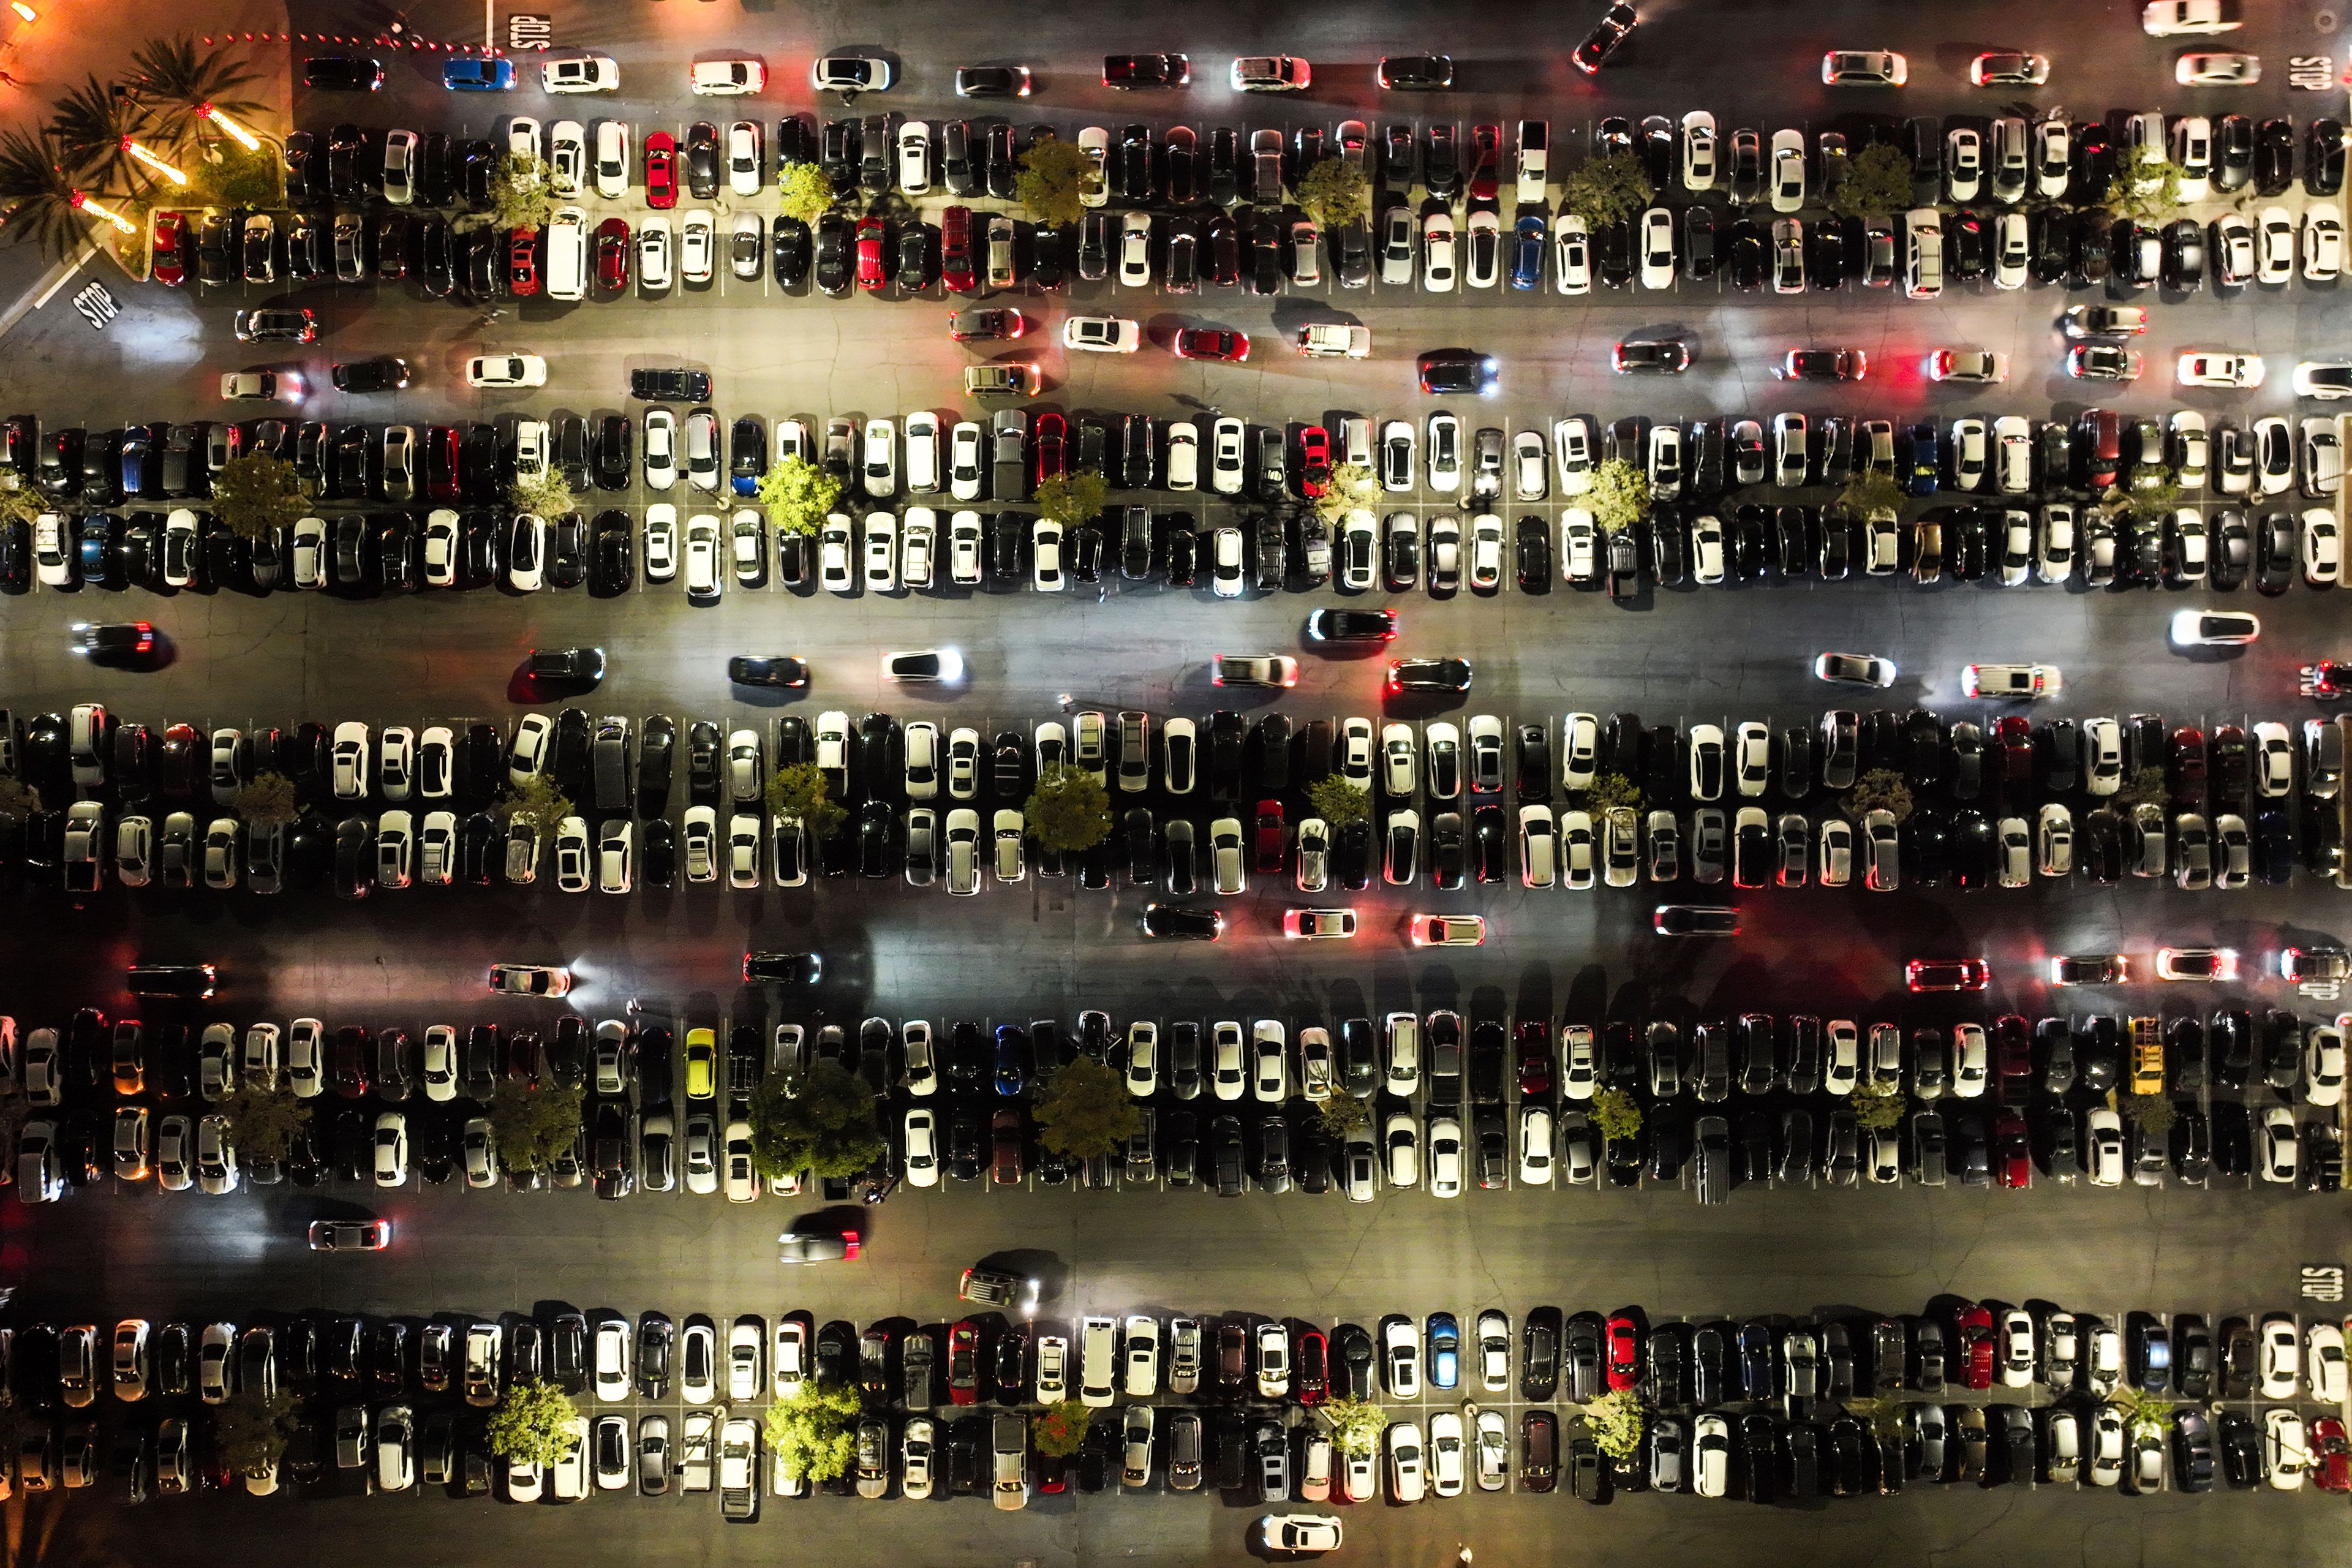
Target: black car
x,y
1429,675
1464,371
385,372
769,669
342,73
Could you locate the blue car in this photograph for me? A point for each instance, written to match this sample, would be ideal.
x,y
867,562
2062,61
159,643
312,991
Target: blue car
x,y
478,75
1926,461
1014,1066
1527,253
1444,1350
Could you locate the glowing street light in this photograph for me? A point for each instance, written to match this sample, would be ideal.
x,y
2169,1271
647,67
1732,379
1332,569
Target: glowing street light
x,y
24,10
83,204
141,155
237,134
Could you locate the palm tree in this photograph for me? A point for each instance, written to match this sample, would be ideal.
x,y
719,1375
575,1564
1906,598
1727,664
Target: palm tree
x,y
174,78
90,125
36,195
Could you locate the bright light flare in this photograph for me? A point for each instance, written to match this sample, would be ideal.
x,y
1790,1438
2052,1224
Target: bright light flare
x,y
236,132
141,155
83,204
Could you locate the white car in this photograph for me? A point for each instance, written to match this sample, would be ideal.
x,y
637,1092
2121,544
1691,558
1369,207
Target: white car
x,y
2279,1353
1572,255
2173,19
1787,174
1698,157
703,554
2323,244
2226,370
696,243
1654,245
1445,1453
1438,248
587,73
745,160
1101,334
654,253
2218,68
914,158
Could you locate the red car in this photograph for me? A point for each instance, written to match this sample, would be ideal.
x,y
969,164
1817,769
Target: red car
x,y
963,1363
2013,737
1310,1377
955,251
1049,457
1314,461
441,462
661,170
2331,1456
347,1069
1535,1058
870,245
523,262
1624,1358
2012,1055
1213,342
1486,160
1948,975
612,254
2012,1154
1273,837
1053,1471
171,233
1975,1326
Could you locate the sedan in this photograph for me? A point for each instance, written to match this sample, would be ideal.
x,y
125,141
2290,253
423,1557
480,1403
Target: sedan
x,y
1855,669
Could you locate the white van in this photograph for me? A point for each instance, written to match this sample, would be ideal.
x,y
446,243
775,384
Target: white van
x,y
1183,457
1098,1361
1925,280
567,255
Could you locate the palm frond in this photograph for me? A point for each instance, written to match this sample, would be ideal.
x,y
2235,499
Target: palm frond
x,y
89,125
173,76
36,195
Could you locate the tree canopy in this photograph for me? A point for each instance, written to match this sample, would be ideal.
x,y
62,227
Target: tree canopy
x,y
255,494
1877,182
803,192
522,191
1608,189
263,1123
1620,496
1879,789
1616,1113
538,800
1877,1106
1615,1421
1069,810
799,790
1339,800
532,1423
1083,1111
534,1127
1053,175
827,1129
1059,1431
1869,491
798,494
2145,187
269,799
812,1433
1072,500
253,1427
1352,486
1335,191
1611,792
1357,1426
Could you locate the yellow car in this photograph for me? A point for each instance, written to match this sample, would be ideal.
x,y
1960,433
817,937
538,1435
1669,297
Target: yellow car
x,y
701,1065
2147,1057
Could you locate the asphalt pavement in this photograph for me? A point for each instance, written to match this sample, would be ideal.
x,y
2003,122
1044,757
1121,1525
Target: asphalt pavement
x,y
1047,947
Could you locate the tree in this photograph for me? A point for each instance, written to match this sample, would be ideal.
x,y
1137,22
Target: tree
x,y
93,125
15,1110
1615,1421
813,1433
1357,1425
2153,1114
1083,1111
2142,787
229,177
255,494
1073,501
1616,1113
1606,190
19,503
1871,490
268,799
1879,789
1069,810
1059,1432
543,494
801,791
1352,486
1343,1113
1620,496
798,494
538,800
253,1427
174,79
1335,193
2144,1413
1877,1106
803,191
534,1127
522,191
2145,187
826,1130
1053,175
1877,182
263,1123
1611,792
36,195
2142,503
532,1423
18,798
1339,800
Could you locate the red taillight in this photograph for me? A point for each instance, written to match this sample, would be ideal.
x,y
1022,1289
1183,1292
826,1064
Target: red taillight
x,y
850,1239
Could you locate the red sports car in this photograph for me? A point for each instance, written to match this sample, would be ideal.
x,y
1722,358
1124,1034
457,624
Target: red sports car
x,y
2012,1154
661,170
1947,973
1975,1325
1624,1361
963,1363
613,254
1314,461
1213,342
871,238
171,233
1311,1376
2331,1456
1050,452
523,262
